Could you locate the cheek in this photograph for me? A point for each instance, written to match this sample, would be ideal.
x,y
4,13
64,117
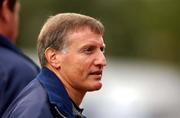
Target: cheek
x,y
80,69
72,65
77,66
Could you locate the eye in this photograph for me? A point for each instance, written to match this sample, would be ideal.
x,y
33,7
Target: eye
x,y
102,49
88,50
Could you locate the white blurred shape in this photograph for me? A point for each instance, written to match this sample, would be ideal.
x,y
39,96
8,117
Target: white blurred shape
x,y
136,90
124,95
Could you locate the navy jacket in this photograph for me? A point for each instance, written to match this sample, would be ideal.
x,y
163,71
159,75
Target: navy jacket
x,y
16,71
44,97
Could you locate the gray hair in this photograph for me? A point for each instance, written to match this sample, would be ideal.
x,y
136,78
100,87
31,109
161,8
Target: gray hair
x,y
55,30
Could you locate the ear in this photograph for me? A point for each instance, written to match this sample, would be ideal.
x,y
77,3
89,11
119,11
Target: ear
x,y
52,57
5,12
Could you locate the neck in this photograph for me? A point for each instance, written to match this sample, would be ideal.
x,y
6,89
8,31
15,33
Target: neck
x,y
5,34
7,30
75,94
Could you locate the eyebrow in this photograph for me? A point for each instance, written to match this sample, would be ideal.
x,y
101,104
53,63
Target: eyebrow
x,y
86,45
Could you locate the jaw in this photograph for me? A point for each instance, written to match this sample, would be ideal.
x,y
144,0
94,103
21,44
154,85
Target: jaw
x,y
95,82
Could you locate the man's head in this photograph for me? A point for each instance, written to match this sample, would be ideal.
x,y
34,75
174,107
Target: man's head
x,y
73,45
10,3
9,18
55,31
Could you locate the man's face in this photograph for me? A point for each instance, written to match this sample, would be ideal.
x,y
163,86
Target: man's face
x,y
83,61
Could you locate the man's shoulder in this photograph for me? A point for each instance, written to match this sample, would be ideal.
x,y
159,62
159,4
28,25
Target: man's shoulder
x,y
14,60
32,101
8,53
15,68
33,92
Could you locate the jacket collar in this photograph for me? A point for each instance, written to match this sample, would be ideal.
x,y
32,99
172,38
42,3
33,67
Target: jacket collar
x,y
57,94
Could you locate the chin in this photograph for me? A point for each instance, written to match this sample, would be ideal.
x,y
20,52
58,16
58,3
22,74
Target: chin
x,y
96,87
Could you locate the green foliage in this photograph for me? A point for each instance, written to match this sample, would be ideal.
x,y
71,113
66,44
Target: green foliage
x,y
147,29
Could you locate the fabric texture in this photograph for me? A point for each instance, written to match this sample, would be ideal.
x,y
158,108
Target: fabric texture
x,y
16,71
44,97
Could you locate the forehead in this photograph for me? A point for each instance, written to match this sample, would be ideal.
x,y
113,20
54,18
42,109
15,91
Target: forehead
x,y
84,35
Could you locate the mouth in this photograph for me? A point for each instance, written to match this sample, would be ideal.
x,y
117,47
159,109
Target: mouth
x,y
97,74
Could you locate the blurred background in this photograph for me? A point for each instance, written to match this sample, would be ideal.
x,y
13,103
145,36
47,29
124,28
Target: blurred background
x,y
142,78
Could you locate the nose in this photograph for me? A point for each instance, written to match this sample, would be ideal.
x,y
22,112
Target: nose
x,y
100,60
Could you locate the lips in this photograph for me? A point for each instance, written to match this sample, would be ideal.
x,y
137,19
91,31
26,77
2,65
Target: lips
x,y
98,74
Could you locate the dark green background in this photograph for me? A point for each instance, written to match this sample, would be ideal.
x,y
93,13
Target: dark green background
x,y
135,29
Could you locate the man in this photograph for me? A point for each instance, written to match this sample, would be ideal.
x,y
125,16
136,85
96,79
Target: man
x,y
71,53
16,70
